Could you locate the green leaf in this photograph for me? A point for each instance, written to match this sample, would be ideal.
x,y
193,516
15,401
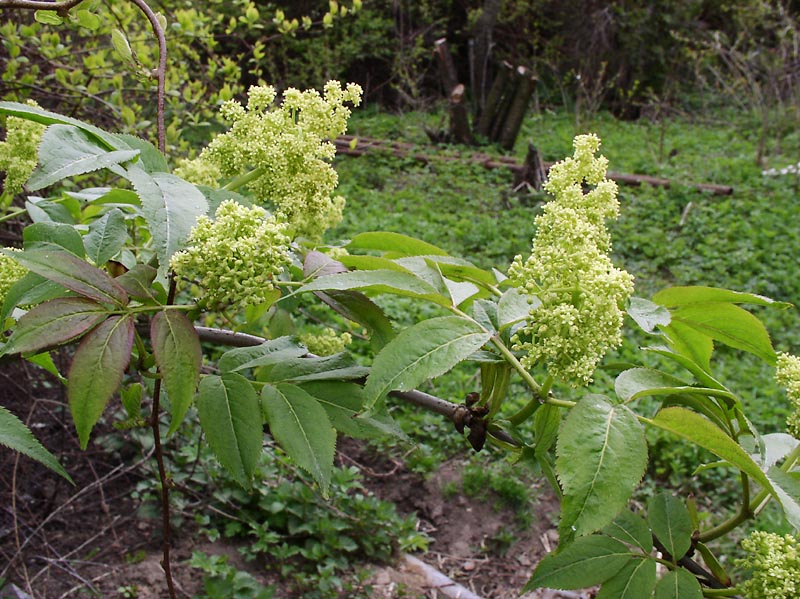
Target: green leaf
x,y
701,375
379,281
96,371
106,236
67,151
648,315
138,282
54,323
702,432
45,360
362,262
231,419
42,210
672,297
340,366
269,352
46,117
671,524
121,45
317,264
636,383
87,20
689,342
515,306
636,580
301,426
343,402
777,446
631,529
171,207
360,309
47,17
73,273
728,324
18,437
150,159
177,351
458,269
485,314
28,291
394,243
426,350
51,235
786,489
678,584
586,562
602,454
546,423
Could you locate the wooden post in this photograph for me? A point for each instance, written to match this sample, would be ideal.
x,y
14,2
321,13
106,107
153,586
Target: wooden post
x,y
459,117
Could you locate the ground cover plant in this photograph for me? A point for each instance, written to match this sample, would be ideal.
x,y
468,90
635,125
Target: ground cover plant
x,y
130,260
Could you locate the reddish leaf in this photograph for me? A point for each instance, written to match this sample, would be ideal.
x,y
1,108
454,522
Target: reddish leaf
x,y
55,322
96,371
176,348
73,273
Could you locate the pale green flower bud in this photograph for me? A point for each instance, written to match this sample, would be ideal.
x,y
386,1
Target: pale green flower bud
x,y
774,563
583,295
11,271
787,374
326,343
18,153
235,257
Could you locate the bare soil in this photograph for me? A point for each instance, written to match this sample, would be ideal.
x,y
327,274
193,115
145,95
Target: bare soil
x,y
60,542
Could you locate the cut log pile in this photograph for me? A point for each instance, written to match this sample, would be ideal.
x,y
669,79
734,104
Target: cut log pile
x,y
531,171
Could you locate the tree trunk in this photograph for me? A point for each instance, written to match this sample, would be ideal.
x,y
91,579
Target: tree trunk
x,y
447,68
493,100
459,117
480,55
518,108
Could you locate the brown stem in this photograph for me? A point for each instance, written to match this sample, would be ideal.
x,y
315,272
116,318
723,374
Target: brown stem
x,y
60,7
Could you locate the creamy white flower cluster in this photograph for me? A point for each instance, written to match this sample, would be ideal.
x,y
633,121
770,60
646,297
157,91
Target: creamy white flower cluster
x,y
787,374
569,270
327,342
235,257
288,144
774,562
18,153
11,271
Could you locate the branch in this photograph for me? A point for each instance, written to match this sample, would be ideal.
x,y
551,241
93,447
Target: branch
x,y
61,7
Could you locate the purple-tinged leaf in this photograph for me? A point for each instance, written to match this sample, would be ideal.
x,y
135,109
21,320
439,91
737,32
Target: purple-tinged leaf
x,y
96,371
73,273
55,322
138,282
176,348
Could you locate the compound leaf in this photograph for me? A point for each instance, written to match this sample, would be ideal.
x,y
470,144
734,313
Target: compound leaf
x,y
18,437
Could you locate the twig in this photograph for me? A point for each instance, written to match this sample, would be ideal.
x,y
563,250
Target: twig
x,y
61,7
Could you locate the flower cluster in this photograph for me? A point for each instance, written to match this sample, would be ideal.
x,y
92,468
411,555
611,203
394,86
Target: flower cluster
x,y
18,153
287,149
11,271
326,343
774,562
235,257
787,374
582,294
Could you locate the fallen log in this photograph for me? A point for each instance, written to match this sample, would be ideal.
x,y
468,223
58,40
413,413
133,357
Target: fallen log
x,y
350,145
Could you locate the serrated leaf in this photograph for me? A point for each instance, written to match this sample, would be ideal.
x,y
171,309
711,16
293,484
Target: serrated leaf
x,y
602,455
702,432
514,306
339,366
53,323
671,524
586,562
689,342
150,159
648,315
171,207
73,273
18,437
395,243
301,426
96,371
702,376
426,350
138,282
106,236
343,402
485,314
317,264
176,348
360,309
52,235
379,281
42,210
631,529
672,297
67,151
269,352
230,416
46,117
776,447
636,580
47,17
678,584
636,383
728,324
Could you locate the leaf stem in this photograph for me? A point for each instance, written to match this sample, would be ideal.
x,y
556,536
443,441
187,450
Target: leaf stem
x,y
244,179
